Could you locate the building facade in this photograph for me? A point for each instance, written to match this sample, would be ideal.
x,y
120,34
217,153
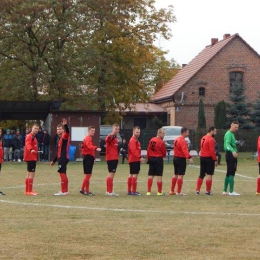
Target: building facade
x,y
209,77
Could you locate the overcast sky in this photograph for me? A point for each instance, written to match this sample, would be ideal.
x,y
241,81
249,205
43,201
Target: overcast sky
x,y
200,20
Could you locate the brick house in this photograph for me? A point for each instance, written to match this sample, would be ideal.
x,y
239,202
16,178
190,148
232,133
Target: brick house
x,y
208,77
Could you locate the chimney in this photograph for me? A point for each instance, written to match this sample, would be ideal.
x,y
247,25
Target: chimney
x,y
213,41
225,36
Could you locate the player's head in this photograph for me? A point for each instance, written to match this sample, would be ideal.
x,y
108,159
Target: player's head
x,y
136,131
115,129
234,126
160,133
60,129
35,129
185,132
91,130
212,130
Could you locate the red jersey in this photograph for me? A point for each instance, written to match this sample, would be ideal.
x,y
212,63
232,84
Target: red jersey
x,y
156,148
134,150
111,148
87,146
1,152
207,147
30,144
258,149
181,148
63,145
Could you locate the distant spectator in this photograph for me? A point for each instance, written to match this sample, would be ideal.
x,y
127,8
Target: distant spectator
x,y
39,137
8,145
56,140
46,138
17,145
1,156
218,154
23,136
124,150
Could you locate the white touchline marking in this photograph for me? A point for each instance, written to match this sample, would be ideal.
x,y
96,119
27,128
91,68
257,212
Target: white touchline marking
x,y
237,174
132,210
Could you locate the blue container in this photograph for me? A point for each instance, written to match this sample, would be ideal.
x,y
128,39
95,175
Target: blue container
x,y
72,151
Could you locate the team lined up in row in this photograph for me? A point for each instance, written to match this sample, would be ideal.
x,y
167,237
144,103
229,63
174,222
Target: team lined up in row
x,y
156,151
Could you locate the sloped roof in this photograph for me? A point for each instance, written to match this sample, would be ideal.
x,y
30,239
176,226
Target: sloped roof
x,y
185,74
144,108
27,110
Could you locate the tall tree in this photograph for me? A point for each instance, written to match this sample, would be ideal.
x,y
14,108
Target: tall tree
x,y
201,115
93,54
255,116
239,110
220,118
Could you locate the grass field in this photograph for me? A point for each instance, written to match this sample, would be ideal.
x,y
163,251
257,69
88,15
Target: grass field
x,y
127,227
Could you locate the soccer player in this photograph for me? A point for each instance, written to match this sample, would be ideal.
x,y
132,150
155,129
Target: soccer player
x,y
208,160
1,155
156,151
258,159
31,157
181,153
231,159
112,158
88,151
62,156
134,160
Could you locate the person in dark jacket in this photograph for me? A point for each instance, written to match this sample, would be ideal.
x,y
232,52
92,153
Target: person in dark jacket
x,y
218,154
46,138
17,145
8,145
39,141
124,150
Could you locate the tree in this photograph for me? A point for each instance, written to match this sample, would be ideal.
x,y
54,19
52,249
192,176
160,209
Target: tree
x,y
238,110
201,115
166,71
220,119
255,116
92,54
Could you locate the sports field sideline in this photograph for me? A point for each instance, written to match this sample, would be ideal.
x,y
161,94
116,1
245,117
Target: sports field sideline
x,y
127,227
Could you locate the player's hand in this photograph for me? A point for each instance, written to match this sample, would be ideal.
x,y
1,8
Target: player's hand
x,y
234,154
33,151
64,121
52,163
142,160
98,149
191,161
216,163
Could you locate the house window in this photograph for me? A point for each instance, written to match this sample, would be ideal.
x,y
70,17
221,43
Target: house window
x,y
236,78
202,92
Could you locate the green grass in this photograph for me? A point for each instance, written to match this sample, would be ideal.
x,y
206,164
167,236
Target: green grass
x,y
126,227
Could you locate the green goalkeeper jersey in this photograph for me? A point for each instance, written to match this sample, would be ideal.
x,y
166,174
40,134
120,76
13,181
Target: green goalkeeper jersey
x,y
230,142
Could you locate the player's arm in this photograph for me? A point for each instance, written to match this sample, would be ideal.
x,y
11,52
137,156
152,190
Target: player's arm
x,y
163,149
212,149
54,161
258,149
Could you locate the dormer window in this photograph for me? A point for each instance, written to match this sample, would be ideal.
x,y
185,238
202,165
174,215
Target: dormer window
x,y
201,92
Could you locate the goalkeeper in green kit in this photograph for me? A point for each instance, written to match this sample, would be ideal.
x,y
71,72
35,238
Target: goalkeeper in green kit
x,y
231,159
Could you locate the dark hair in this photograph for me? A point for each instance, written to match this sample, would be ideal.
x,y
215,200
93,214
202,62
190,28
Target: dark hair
x,y
184,129
211,128
235,122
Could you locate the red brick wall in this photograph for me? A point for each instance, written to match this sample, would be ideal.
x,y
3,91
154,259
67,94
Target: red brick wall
x,y
214,77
